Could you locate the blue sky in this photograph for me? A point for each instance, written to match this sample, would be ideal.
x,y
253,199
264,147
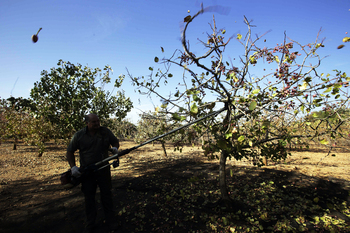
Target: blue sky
x,y
129,34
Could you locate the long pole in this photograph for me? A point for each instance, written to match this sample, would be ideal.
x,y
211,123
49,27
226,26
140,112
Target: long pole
x,y
97,165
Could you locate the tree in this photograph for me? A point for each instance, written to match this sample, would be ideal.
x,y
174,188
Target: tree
x,y
14,119
67,93
332,122
19,122
261,109
122,129
153,124
38,131
21,103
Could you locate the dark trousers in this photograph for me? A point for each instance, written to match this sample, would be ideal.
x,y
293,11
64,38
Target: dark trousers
x,y
102,179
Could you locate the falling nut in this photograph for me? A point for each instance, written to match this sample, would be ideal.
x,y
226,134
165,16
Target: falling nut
x,y
35,37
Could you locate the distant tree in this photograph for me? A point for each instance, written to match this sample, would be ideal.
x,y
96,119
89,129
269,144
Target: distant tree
x,y
13,119
157,123
261,106
69,92
19,122
38,132
333,123
21,103
152,124
123,129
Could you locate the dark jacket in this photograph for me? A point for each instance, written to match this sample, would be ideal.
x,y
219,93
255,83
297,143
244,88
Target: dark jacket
x,y
92,149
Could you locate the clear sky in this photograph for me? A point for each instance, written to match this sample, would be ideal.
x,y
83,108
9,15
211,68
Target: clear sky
x,y
129,34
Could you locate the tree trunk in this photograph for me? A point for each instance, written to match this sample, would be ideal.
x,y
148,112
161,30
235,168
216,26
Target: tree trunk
x,y
222,170
222,177
265,160
15,144
164,149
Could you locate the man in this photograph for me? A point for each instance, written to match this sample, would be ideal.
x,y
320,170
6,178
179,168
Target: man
x,y
93,143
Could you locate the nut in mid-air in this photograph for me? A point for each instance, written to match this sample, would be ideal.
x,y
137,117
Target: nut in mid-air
x,y
35,37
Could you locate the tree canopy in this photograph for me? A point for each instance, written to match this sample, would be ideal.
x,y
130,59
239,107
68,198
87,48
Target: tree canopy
x,y
67,93
263,109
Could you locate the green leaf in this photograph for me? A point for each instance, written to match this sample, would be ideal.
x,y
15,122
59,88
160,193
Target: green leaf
x,y
228,135
324,142
233,76
176,117
156,59
319,45
256,91
308,79
252,59
241,138
211,106
194,109
277,59
222,144
252,105
328,89
225,221
304,86
196,98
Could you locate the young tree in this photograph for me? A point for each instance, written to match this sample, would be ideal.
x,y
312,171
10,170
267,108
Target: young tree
x,y
262,109
67,93
38,131
153,124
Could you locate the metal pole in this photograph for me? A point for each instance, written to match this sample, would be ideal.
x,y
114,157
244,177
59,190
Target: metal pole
x,y
97,165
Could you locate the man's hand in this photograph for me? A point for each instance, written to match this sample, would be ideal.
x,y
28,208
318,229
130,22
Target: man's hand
x,y
76,171
114,150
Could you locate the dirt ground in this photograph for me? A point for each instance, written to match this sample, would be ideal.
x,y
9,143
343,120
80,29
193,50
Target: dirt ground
x,y
145,187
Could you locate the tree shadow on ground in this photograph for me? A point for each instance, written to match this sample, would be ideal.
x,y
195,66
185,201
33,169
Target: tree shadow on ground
x,y
183,197
180,196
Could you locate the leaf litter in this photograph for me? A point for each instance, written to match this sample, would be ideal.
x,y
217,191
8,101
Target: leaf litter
x,y
179,193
